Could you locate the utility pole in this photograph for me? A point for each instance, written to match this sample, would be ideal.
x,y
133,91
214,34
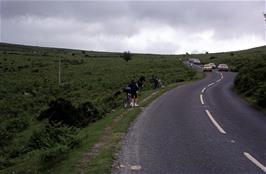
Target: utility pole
x,y
264,14
59,71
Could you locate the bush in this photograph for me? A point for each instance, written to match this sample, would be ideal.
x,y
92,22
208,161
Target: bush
x,y
261,95
17,125
251,80
88,113
126,56
4,162
5,137
62,111
52,135
53,153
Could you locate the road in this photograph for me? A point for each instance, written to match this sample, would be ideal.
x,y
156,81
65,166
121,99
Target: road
x,y
202,127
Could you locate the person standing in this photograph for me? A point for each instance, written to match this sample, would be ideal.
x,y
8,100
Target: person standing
x,y
134,93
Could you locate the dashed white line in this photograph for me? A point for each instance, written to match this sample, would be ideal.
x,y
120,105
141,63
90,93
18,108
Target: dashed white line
x,y
214,122
254,161
210,84
135,167
202,91
201,99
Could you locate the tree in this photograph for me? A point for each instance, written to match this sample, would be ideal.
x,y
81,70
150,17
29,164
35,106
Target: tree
x,y
126,56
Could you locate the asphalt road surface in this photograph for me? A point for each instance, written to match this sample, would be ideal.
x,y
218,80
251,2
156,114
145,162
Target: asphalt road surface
x,y
202,127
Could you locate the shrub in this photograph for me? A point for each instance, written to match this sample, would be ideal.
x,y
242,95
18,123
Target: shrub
x,y
4,162
5,137
88,113
55,152
17,124
261,95
52,135
251,80
64,112
126,56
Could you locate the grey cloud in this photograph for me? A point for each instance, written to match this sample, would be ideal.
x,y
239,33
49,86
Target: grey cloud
x,y
121,20
228,18
81,10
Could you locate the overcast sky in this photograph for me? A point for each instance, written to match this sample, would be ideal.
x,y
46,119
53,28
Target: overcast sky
x,y
137,26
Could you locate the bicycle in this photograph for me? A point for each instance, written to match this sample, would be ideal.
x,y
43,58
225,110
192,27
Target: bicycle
x,y
127,100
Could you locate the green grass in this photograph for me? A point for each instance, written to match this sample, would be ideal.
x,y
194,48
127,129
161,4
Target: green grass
x,y
29,81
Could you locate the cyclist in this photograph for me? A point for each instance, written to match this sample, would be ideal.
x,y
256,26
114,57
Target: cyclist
x,y
127,99
140,82
134,93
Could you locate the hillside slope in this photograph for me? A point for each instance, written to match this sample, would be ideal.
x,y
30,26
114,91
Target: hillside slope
x,y
90,89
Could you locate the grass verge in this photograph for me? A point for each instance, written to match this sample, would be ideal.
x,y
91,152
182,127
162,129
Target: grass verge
x,y
251,101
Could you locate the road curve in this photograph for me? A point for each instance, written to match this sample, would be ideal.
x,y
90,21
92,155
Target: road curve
x,y
201,127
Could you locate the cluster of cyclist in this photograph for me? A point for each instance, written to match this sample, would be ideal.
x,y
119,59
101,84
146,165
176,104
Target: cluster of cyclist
x,y
131,91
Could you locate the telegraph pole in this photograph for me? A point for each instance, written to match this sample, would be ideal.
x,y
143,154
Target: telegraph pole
x,y
264,14
59,71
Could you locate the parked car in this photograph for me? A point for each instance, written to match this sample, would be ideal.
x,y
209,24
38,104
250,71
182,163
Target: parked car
x,y
197,62
223,67
194,61
213,65
207,67
191,60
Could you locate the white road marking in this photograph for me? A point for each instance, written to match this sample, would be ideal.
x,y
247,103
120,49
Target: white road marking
x,y
202,91
218,80
201,99
214,122
122,166
210,84
256,162
135,167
